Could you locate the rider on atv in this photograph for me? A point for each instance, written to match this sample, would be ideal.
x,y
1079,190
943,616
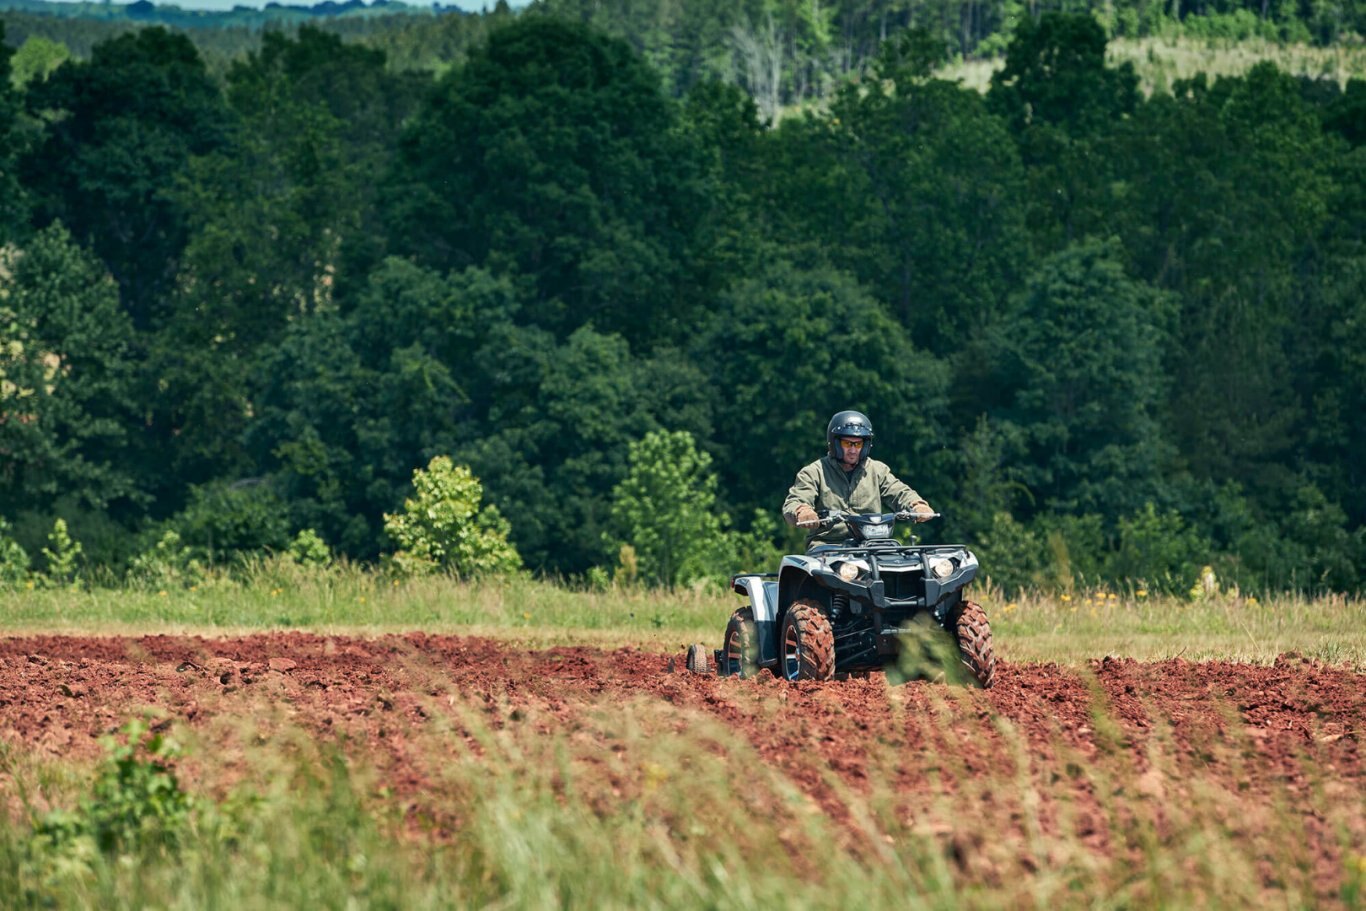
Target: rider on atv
x,y
847,480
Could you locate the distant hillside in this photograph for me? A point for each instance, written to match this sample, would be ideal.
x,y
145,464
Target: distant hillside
x,y
147,13
222,36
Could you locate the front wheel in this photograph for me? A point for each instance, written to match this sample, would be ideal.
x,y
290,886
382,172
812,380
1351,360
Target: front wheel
x,y
972,631
808,643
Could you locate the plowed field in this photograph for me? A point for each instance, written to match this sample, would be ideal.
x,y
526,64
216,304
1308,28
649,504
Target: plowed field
x,y
1286,735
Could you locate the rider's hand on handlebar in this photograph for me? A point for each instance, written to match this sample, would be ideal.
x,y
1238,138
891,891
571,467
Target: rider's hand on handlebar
x,y
921,512
806,517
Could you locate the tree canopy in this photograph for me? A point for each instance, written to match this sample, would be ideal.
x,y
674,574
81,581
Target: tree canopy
x,y
1109,335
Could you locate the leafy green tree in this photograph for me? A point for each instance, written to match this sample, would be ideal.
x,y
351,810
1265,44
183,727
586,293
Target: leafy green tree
x,y
36,59
1228,191
120,130
443,526
14,560
226,522
61,557
266,217
790,347
165,564
1159,550
666,510
1062,103
553,155
66,378
13,195
1079,370
915,189
344,401
556,433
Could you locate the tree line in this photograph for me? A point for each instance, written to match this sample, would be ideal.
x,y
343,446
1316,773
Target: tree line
x,y
1111,337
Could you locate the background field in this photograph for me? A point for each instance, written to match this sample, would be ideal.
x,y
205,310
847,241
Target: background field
x,y
1068,627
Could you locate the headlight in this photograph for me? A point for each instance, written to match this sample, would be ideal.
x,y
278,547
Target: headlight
x,y
940,567
848,572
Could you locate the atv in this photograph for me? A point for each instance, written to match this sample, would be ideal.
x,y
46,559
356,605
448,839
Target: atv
x,y
845,609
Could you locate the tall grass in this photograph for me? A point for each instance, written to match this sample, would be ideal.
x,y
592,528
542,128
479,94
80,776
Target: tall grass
x,y
643,805
1067,627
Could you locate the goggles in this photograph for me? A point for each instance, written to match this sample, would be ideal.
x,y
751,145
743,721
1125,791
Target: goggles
x,y
851,444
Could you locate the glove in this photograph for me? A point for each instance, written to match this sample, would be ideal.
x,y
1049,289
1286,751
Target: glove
x,y
921,512
806,517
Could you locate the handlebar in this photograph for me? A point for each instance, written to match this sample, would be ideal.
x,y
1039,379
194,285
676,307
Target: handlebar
x,y
835,516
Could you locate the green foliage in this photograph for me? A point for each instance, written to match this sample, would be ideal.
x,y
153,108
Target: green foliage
x,y
443,528
307,549
168,563
62,557
66,377
36,59
225,523
14,560
553,155
666,510
13,141
1079,366
916,191
135,803
1012,556
1060,301
120,129
1158,551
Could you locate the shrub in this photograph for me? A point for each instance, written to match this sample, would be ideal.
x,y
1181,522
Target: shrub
x,y
61,554
167,563
442,527
1159,550
226,522
13,559
136,801
309,549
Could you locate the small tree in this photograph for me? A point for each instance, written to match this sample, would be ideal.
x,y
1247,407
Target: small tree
x,y
13,558
442,527
61,555
665,508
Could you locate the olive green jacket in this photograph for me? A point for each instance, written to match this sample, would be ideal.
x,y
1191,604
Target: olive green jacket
x,y
824,484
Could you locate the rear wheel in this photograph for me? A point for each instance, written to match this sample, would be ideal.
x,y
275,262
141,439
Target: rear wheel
x,y
972,632
808,643
740,650
699,659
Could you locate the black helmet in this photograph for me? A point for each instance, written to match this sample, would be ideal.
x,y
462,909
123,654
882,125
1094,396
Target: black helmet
x,y
849,424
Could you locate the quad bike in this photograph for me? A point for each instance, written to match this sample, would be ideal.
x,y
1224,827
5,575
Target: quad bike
x,y
845,608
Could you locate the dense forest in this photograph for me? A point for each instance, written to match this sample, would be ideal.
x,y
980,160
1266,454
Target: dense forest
x,y
1111,337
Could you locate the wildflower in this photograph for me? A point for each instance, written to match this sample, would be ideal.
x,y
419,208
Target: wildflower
x,y
526,615
361,599
162,593
1066,597
1252,600
1142,593
1010,607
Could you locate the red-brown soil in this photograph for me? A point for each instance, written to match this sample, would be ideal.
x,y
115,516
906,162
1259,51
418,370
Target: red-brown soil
x,y
1267,733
